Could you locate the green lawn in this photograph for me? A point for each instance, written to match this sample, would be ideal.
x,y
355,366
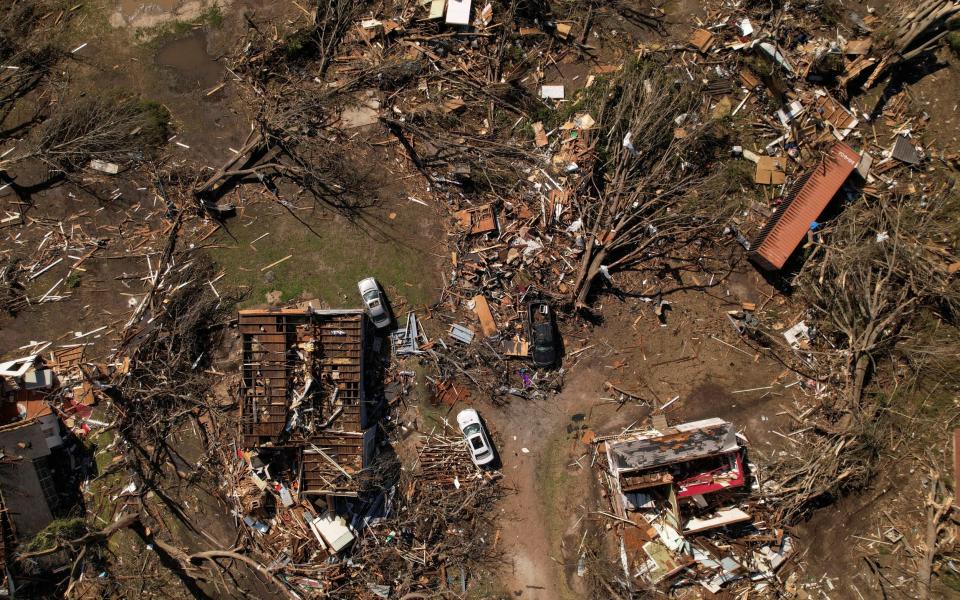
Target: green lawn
x,y
328,261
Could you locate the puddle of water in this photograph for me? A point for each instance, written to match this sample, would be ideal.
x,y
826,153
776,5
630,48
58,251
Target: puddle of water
x,y
189,64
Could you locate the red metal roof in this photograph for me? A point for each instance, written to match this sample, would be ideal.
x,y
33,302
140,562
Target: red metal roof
x,y
807,198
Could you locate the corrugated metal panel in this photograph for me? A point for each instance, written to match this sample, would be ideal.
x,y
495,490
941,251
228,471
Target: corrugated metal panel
x,y
657,449
804,203
904,151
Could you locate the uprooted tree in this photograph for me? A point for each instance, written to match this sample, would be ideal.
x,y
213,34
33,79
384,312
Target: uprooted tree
x,y
882,269
920,29
295,108
649,195
878,285
101,126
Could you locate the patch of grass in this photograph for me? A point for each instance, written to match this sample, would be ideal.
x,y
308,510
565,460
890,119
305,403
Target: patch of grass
x,y
515,53
162,31
81,22
502,120
182,27
737,174
101,490
951,580
299,45
831,12
432,414
57,531
96,444
328,264
102,487
487,586
156,123
73,280
937,404
551,475
213,16
552,481
588,100
293,291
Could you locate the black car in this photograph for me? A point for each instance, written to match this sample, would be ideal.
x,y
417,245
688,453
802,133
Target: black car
x,y
542,330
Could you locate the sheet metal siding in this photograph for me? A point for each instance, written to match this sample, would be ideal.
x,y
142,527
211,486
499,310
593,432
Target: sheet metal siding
x,y
804,203
647,452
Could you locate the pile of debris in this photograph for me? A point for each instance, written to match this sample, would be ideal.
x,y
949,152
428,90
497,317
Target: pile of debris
x,y
423,529
535,214
683,501
47,405
303,397
807,142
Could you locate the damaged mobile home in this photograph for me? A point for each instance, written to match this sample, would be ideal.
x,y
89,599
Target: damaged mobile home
x,y
676,491
42,402
46,402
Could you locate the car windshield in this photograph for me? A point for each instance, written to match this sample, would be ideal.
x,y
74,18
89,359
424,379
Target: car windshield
x,y
477,442
371,295
471,429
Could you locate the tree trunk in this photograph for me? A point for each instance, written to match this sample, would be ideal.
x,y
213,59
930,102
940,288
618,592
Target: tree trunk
x,y
860,367
589,272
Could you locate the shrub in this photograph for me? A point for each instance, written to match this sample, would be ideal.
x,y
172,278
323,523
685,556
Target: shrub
x,y
56,532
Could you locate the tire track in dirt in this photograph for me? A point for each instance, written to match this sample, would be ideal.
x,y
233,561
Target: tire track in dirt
x,y
540,509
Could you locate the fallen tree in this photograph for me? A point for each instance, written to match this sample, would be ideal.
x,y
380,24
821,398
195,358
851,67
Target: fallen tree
x,y
295,109
882,267
648,195
102,127
920,29
875,282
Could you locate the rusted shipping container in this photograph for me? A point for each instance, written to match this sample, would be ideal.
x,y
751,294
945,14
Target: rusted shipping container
x,y
807,198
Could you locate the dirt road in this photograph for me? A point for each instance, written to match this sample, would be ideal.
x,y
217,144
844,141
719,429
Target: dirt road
x,y
532,569
538,444
553,495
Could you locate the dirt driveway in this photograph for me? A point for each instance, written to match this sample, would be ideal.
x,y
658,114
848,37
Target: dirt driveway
x,y
546,465
534,448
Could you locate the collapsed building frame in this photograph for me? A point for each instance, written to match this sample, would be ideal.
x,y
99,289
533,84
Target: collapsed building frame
x,y
671,488
303,391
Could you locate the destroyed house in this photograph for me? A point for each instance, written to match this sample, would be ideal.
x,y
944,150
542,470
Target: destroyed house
x,y
29,433
695,458
302,391
27,489
666,490
801,206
